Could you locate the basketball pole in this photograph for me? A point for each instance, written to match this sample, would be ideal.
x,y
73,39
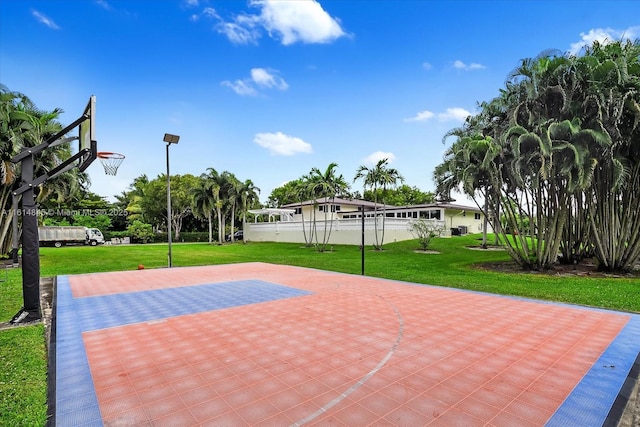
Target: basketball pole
x,y
30,249
169,139
30,311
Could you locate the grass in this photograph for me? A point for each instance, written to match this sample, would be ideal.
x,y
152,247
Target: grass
x,y
22,352
23,377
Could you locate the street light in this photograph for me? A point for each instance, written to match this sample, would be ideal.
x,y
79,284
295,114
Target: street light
x,y
169,139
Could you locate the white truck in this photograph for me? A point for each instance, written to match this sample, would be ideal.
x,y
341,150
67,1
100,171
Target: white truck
x,y
69,235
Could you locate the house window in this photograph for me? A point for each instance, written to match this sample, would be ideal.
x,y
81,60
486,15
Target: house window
x,y
476,216
431,214
390,215
298,211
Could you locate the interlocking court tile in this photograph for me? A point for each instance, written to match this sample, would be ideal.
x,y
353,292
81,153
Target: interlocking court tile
x,y
262,344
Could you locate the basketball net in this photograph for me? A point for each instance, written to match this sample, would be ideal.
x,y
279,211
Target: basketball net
x,y
110,162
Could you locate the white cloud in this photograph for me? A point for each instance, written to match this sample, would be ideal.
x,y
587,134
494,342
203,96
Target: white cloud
x,y
298,21
280,144
268,78
289,21
260,78
238,34
191,3
376,156
603,35
421,116
103,4
207,12
427,66
467,67
241,87
210,12
455,113
43,19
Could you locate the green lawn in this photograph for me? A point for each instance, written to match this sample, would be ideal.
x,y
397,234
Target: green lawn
x,y
22,352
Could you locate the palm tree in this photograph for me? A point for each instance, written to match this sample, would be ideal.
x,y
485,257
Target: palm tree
x,y
204,203
326,185
389,178
233,192
371,179
134,198
216,182
248,197
563,163
23,125
301,192
378,177
609,76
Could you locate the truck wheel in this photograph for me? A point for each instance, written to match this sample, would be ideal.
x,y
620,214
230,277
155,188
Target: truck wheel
x,y
57,244
93,243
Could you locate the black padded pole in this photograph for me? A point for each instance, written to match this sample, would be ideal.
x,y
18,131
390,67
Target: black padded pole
x,y
30,250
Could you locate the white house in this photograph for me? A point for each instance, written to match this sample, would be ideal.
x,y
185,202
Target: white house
x,y
341,220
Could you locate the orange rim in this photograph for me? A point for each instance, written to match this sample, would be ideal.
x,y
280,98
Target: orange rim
x,y
109,155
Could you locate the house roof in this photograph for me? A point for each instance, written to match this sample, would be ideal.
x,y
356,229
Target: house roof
x,y
451,206
371,205
271,211
338,201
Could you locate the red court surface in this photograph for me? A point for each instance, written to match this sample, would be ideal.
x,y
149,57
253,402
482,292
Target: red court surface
x,y
351,351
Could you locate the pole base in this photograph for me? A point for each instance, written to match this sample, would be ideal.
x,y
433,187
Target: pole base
x,y
24,317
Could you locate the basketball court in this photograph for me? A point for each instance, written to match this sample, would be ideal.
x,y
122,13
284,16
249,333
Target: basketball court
x,y
262,344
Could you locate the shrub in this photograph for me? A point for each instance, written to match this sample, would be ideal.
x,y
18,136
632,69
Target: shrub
x,y
424,231
140,232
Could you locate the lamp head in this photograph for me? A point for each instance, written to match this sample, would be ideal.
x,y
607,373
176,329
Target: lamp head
x,y
171,139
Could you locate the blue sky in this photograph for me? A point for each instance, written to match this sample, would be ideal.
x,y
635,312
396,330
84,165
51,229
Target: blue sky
x,y
268,90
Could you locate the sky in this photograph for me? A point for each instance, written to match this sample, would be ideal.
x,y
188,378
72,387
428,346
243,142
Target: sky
x,y
269,89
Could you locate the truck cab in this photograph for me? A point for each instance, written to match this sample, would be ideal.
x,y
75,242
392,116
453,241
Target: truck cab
x,y
94,237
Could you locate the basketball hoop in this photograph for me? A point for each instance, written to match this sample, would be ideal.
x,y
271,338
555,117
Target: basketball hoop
x,y
110,161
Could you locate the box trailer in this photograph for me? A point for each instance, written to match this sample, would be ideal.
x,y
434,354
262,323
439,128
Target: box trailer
x,y
68,235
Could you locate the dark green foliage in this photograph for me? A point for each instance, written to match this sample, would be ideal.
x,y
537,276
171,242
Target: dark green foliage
x,y
555,157
140,232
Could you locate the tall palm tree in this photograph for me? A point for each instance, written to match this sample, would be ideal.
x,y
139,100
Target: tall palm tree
x,y
326,185
563,164
233,193
216,181
301,192
610,81
371,179
389,178
204,203
23,125
249,195
378,177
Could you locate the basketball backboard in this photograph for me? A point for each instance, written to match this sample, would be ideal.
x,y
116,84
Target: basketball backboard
x,y
88,144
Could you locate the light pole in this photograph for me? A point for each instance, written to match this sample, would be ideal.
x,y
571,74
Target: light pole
x,y
169,139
